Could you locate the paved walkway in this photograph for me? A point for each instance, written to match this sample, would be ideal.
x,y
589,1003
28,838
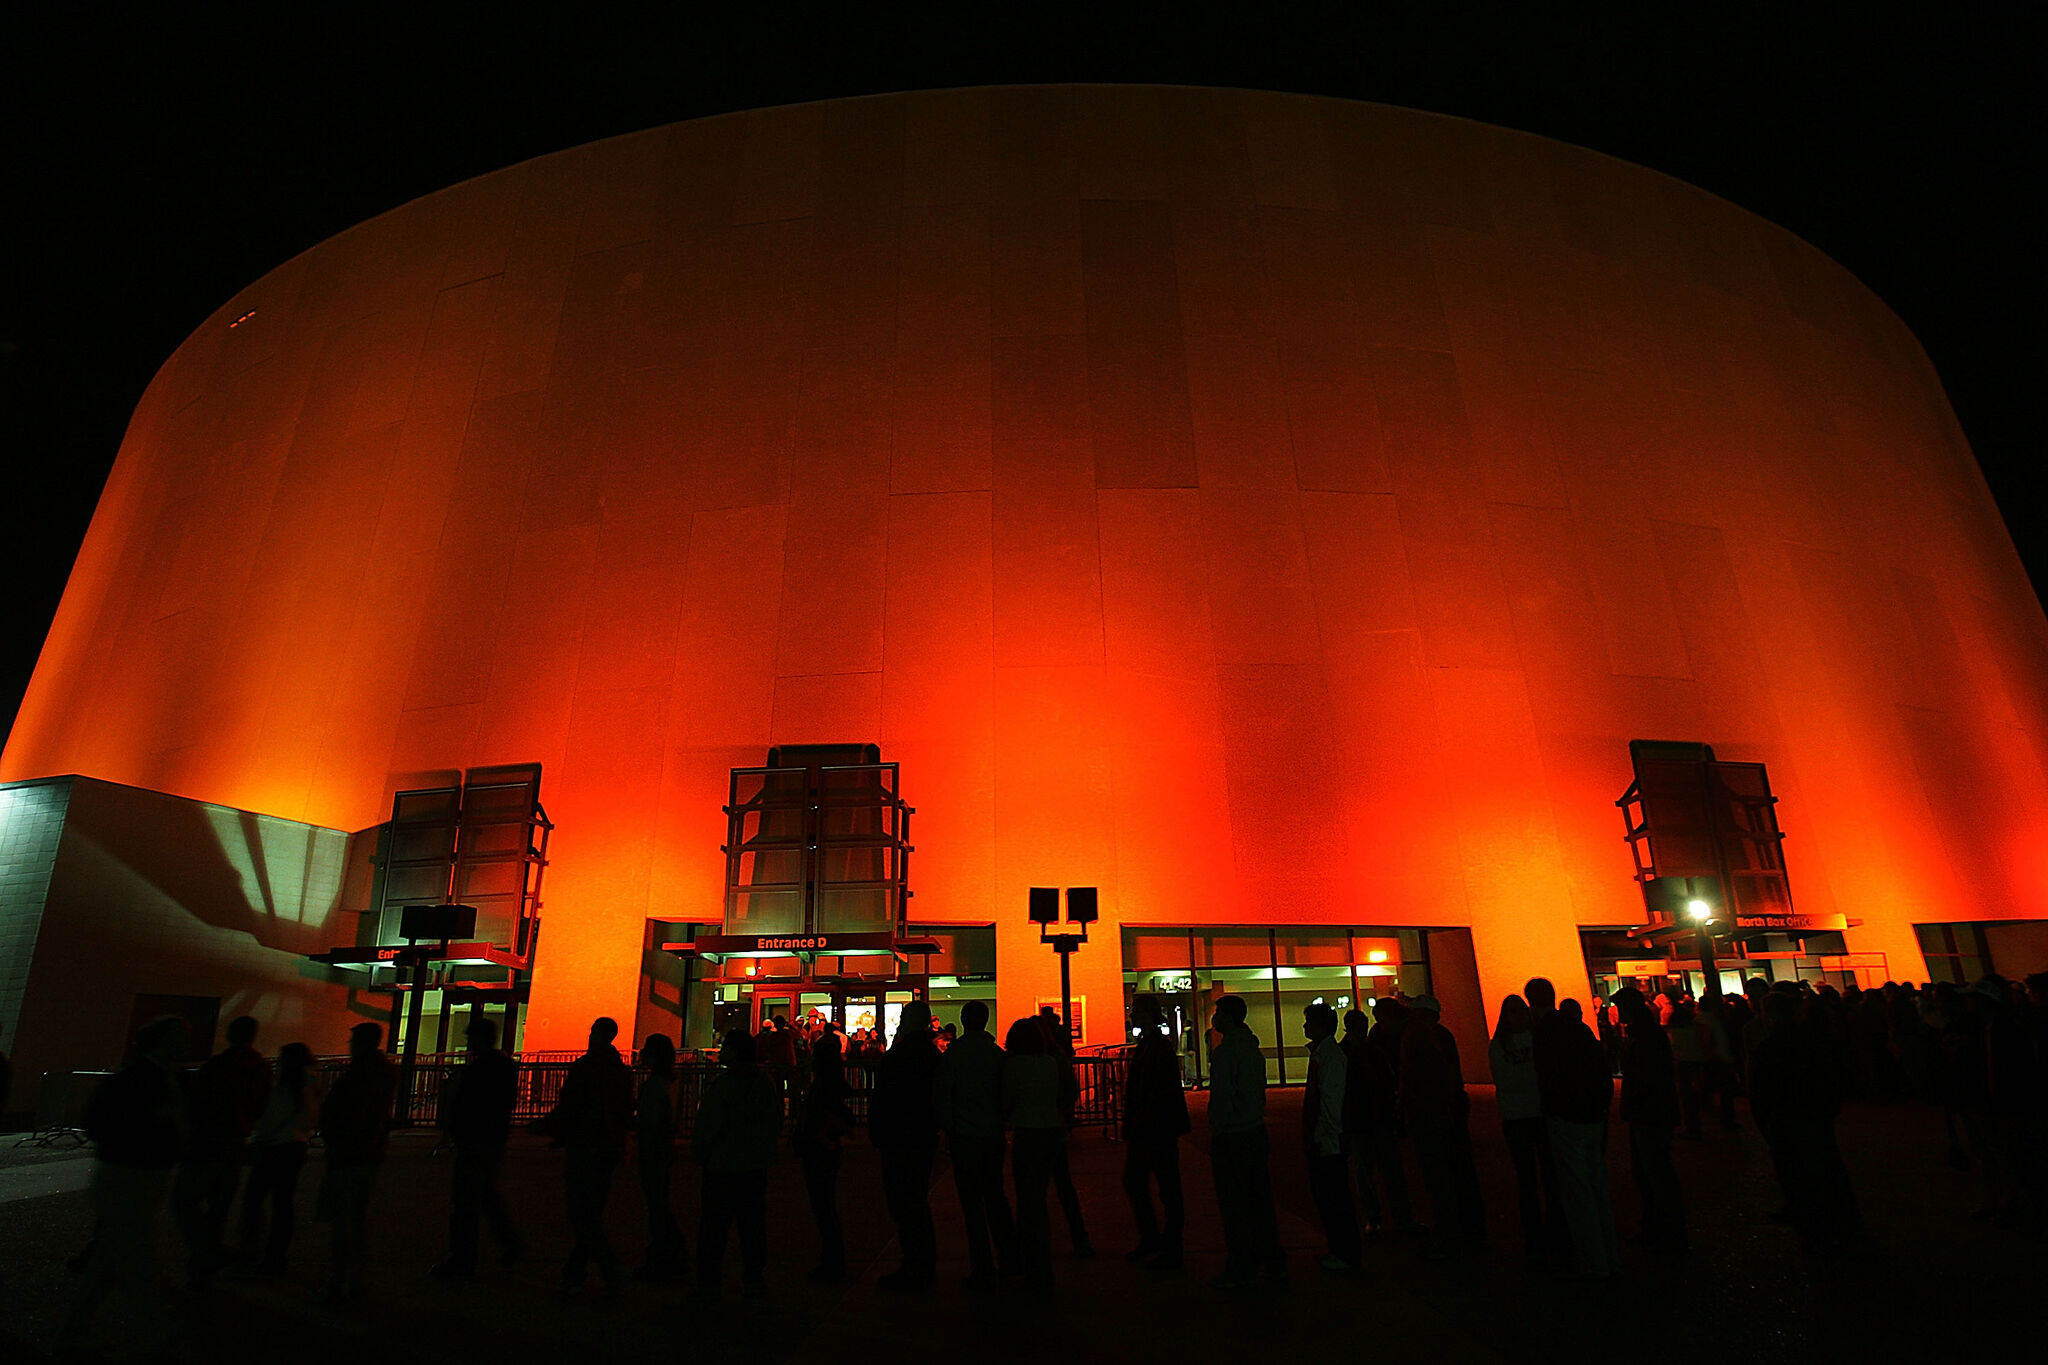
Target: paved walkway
x,y
1930,1279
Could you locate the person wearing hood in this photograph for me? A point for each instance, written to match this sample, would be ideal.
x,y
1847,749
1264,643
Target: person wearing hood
x,y
1436,1112
739,1123
1038,1131
903,1123
1239,1151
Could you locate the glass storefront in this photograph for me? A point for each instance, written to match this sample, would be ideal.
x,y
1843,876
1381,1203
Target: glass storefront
x,y
1614,960
1279,971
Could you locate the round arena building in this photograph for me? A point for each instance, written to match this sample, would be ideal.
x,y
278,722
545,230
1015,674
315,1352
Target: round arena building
x,y
1277,513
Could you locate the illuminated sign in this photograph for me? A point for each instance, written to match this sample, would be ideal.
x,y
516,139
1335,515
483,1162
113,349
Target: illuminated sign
x,y
480,954
1794,923
795,945
1642,966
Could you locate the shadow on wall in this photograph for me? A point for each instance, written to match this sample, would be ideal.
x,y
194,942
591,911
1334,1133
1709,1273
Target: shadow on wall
x,y
156,895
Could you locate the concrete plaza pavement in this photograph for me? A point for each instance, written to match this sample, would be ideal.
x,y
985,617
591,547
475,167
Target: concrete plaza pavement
x,y
1930,1278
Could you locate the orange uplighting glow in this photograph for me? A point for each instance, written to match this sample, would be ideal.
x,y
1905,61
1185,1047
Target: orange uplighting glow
x,y
1269,510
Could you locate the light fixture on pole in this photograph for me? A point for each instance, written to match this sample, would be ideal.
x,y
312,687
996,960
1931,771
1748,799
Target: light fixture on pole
x,y
1082,909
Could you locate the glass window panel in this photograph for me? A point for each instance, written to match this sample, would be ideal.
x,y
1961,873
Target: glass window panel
x,y
425,884
473,880
410,843
1147,951
771,867
1312,947
767,912
852,911
497,837
493,801
1233,948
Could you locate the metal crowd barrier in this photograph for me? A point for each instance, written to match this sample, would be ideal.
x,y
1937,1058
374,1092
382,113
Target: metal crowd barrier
x,y
1101,1077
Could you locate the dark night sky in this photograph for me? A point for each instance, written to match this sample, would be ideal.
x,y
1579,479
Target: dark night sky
x,y
153,164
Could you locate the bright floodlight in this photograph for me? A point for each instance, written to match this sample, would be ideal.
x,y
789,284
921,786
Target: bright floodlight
x,y
1699,910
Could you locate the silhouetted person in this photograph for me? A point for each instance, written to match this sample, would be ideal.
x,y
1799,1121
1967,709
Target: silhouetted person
x,y
139,1126
277,1150
1650,1106
590,1120
1545,1031
970,1109
1433,1106
775,1047
1512,1058
1795,1097
654,1150
903,1123
355,1127
1239,1155
824,1121
1155,1118
227,1095
1038,1127
1719,1074
739,1123
1578,1091
1372,1120
1059,1041
479,1124
1322,1136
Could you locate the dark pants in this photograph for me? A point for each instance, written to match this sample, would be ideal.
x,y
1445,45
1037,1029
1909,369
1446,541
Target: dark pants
x,y
275,1178
1144,1162
1465,1172
1377,1154
907,1185
1822,1202
978,1178
125,1202
1535,1185
666,1252
1070,1199
733,1197
1721,1079
821,1183
1580,1150
473,1199
201,1195
1244,1196
1330,1183
1436,1156
1031,1161
587,1184
1689,1078
1649,1150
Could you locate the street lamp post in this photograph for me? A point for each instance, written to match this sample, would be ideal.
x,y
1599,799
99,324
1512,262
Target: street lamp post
x,y
1082,908
1701,913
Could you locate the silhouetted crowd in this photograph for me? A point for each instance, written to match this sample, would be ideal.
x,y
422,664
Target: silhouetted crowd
x,y
1386,1097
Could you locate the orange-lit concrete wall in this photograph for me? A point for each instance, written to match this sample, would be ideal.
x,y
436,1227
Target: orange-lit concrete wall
x,y
1265,508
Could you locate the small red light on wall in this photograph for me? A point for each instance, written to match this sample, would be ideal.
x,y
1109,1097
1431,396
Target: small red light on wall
x,y
242,319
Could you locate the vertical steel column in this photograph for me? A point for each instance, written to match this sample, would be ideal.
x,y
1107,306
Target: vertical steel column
x,y
1273,978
